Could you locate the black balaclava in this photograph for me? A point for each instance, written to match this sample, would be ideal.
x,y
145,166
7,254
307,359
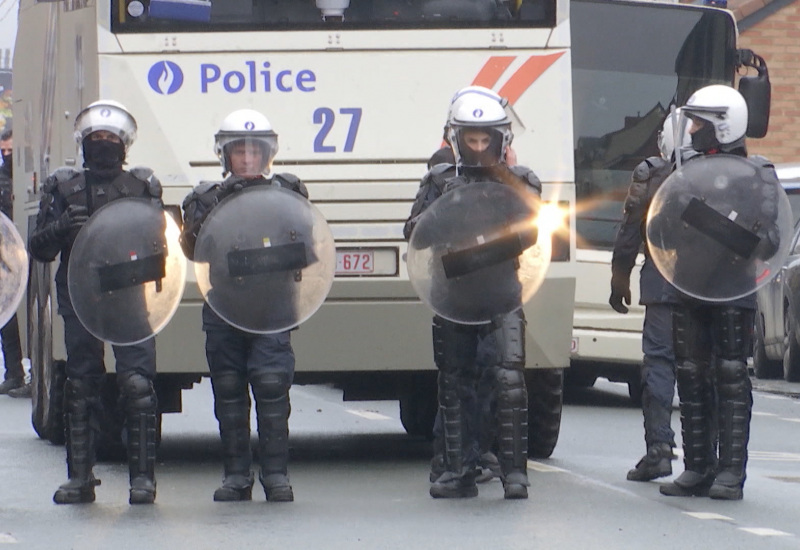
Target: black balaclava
x,y
8,163
705,139
102,154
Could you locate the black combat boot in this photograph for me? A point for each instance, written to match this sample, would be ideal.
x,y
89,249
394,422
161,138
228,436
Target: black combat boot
x,y
80,396
656,463
142,457
273,448
455,485
233,414
512,431
735,405
489,467
697,417
140,404
437,462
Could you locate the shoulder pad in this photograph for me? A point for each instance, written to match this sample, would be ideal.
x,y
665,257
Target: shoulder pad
x,y
761,161
645,169
200,189
439,169
526,174
290,182
59,175
285,177
65,173
146,175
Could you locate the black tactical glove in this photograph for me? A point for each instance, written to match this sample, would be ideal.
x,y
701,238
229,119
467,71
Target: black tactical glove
x,y
73,218
769,245
620,292
46,241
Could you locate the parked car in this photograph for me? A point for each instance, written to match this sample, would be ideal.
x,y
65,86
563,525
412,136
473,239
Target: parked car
x,y
776,343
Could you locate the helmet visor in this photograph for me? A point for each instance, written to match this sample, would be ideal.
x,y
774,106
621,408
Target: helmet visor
x,y
478,146
249,157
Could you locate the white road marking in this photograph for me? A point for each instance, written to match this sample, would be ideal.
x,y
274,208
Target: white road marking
x,y
369,415
6,538
765,532
791,419
774,456
708,515
540,467
763,414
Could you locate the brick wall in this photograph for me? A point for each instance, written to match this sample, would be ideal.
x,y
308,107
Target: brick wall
x,y
777,39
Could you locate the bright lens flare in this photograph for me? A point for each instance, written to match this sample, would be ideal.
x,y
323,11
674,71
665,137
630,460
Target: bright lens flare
x,y
551,218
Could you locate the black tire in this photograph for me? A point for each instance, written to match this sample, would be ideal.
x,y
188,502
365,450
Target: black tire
x,y
791,355
578,377
47,375
764,367
58,379
418,408
545,403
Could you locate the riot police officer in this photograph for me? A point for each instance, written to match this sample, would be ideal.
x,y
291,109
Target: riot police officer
x,y
104,130
14,380
246,145
479,134
657,295
482,396
712,339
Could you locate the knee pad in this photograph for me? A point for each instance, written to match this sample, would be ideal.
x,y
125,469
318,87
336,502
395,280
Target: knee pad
x,y
270,385
732,378
137,391
229,385
511,387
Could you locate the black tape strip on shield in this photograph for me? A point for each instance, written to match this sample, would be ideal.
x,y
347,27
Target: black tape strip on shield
x,y
507,247
269,259
133,273
726,232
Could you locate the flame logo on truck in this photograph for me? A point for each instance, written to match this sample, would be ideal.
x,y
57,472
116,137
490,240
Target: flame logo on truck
x,y
165,77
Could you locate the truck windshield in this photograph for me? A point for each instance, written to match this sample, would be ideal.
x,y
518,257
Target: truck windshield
x,y
241,15
630,62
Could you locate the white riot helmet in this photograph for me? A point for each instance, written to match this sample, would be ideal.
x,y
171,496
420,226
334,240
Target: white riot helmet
x,y
108,115
246,127
666,137
332,9
473,114
726,111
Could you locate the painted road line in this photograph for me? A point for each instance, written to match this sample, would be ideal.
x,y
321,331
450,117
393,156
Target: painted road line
x,y
369,415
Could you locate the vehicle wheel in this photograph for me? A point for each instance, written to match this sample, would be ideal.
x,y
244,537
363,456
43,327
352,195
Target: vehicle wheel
x,y
47,375
635,390
545,401
578,377
791,357
764,367
418,409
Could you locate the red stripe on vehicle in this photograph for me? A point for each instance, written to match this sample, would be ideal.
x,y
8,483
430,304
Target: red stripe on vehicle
x,y
526,75
492,70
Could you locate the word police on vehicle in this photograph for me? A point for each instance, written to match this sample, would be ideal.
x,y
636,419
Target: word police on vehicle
x,y
167,77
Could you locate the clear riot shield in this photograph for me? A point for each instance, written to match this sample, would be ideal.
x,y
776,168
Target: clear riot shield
x,y
265,259
126,271
476,252
719,227
13,269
